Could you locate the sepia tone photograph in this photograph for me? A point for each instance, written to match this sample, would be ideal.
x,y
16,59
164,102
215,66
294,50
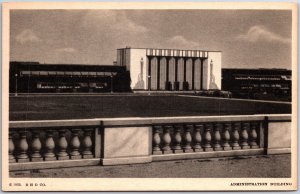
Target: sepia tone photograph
x,y
137,96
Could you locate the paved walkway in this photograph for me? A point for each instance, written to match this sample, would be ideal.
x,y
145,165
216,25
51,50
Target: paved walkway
x,y
274,166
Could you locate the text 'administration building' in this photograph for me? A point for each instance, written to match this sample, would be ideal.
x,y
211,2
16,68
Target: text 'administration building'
x,y
171,69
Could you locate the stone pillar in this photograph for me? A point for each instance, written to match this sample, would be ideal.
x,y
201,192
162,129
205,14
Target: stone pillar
x,y
197,138
185,85
168,83
158,73
154,73
217,138
36,146
11,147
49,147
149,73
235,137
244,136
253,136
75,145
201,73
197,74
193,73
167,140
156,140
207,138
187,148
226,137
62,146
23,147
87,144
176,83
177,139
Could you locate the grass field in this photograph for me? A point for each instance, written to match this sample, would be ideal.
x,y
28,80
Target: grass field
x,y
50,107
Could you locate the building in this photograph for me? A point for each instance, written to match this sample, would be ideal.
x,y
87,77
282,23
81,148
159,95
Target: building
x,y
28,77
253,83
171,69
135,69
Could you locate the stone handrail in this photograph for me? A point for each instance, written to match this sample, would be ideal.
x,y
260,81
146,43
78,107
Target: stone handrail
x,y
68,140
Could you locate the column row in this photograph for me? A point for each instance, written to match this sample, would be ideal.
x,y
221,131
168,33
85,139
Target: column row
x,y
169,139
173,73
39,145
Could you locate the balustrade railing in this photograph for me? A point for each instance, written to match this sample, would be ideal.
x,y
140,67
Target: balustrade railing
x,y
36,145
206,137
67,143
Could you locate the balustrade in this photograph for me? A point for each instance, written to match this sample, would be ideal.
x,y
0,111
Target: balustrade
x,y
167,140
62,145
217,138
244,136
206,137
177,139
188,139
22,155
36,146
253,136
31,145
156,140
197,138
235,137
226,137
11,147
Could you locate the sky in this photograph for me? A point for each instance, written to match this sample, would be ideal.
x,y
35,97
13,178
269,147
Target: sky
x,y
247,38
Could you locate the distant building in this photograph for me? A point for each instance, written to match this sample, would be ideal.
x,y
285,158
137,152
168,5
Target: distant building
x,y
253,83
171,69
28,77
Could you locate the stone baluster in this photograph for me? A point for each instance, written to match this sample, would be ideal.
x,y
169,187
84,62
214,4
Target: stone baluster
x,y
87,144
187,148
156,140
23,147
207,138
11,147
244,136
197,138
49,147
217,138
253,136
235,137
226,137
75,145
62,145
177,139
167,140
36,147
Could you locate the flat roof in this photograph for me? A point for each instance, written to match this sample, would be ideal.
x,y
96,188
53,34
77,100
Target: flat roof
x,y
170,49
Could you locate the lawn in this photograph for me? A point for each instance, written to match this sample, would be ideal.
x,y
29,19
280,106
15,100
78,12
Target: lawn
x,y
52,107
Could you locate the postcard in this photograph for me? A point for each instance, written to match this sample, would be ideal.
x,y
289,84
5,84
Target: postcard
x,y
149,96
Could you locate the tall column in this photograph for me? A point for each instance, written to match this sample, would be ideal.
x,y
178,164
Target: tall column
x,y
167,84
185,83
193,73
201,74
158,74
149,73
176,83
163,73
184,70
154,73
171,73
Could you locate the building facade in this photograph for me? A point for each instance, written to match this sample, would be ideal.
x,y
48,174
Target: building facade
x,y
253,83
29,77
171,69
